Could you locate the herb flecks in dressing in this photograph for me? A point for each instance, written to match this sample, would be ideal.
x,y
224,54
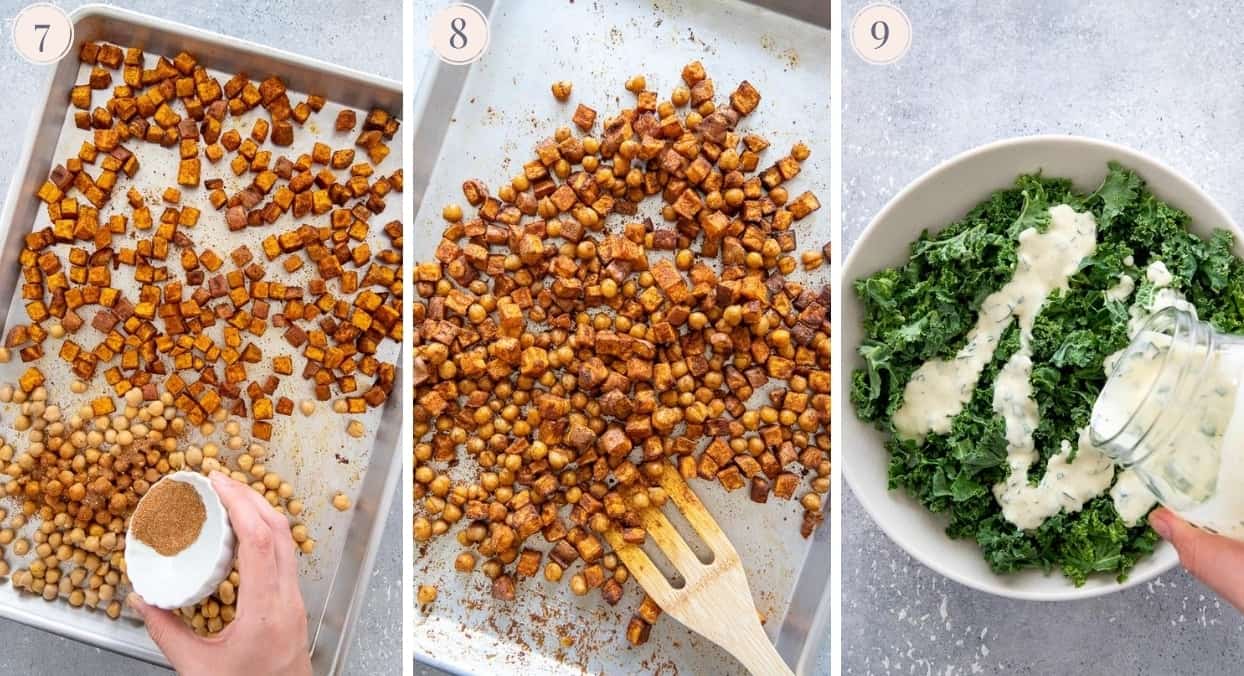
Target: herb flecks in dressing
x,y
937,391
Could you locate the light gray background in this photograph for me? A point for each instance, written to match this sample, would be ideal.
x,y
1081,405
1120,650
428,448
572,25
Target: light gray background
x,y
1162,77
362,34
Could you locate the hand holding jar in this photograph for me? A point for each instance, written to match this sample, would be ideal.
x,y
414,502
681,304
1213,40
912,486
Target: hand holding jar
x,y
1213,559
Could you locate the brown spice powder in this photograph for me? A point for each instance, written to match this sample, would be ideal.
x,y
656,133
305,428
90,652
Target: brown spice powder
x,y
170,517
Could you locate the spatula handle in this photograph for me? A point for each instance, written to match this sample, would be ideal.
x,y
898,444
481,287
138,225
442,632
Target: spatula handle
x,y
760,656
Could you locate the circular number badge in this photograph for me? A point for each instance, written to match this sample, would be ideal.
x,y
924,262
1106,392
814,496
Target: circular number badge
x,y
881,34
42,33
459,34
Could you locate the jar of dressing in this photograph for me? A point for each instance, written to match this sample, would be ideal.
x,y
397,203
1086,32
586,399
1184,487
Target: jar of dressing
x,y
1172,413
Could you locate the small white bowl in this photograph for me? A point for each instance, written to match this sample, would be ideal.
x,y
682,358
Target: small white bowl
x,y
942,195
192,574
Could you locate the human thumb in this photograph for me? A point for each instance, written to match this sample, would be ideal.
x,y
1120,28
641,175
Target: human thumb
x,y
170,634
1213,559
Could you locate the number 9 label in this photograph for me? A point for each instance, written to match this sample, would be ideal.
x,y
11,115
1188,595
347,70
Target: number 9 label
x,y
881,34
459,34
42,33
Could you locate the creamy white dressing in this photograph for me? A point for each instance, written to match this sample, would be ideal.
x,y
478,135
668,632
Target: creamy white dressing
x,y
1065,486
1045,264
1158,274
1131,497
1122,288
1192,459
937,391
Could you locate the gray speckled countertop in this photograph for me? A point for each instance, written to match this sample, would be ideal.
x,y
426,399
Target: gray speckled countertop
x,y
370,41
1158,76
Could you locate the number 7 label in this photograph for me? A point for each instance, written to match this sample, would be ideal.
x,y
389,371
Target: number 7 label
x,y
42,33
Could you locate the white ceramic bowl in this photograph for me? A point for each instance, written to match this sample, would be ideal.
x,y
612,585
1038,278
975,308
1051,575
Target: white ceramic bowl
x,y
941,196
193,573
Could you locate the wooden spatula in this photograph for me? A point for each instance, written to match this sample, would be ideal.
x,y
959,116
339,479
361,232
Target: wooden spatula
x,y
715,600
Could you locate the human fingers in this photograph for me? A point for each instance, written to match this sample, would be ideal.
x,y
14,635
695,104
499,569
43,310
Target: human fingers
x,y
257,560
283,544
1213,559
176,640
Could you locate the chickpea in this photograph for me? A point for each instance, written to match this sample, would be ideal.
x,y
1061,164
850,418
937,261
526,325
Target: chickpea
x,y
465,562
341,502
680,96
811,260
452,212
636,84
422,529
553,571
299,532
561,89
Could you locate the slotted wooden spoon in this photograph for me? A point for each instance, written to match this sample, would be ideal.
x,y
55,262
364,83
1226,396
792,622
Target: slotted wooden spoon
x,y
715,600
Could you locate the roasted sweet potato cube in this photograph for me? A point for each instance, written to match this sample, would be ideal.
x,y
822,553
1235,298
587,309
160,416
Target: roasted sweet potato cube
x,y
584,117
730,478
785,485
49,193
261,409
346,120
102,406
637,631
693,72
528,563
282,133
110,56
698,170
188,172
611,592
804,205
89,53
589,548
80,97
688,204
745,98
648,610
32,378
503,588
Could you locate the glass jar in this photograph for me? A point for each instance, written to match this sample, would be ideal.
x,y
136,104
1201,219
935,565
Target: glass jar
x,y
1172,414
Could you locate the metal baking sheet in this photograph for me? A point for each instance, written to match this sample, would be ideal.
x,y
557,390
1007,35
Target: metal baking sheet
x,y
482,122
314,454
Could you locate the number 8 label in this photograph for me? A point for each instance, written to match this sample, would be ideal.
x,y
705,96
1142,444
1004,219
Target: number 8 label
x,y
459,34
881,34
42,33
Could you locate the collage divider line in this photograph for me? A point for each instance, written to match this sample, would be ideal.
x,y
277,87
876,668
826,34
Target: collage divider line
x,y
407,353
836,380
